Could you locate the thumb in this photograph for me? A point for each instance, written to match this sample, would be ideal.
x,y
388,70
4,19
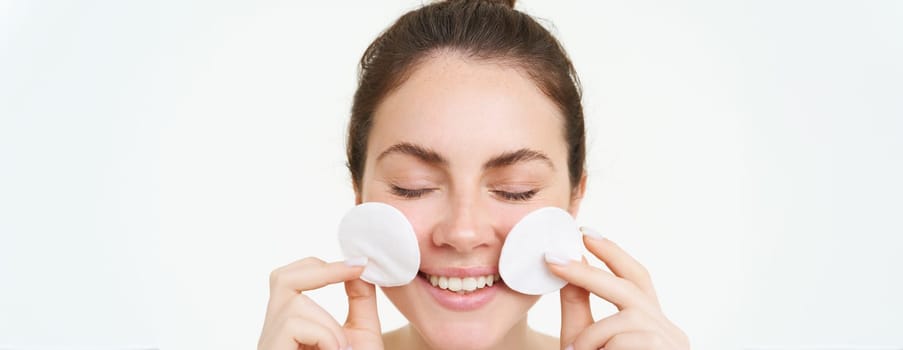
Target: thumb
x,y
362,313
575,313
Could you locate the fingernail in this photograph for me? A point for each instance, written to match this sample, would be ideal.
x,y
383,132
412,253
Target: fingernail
x,y
348,347
356,261
570,347
591,233
557,258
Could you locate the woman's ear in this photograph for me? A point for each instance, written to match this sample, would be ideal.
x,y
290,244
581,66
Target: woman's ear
x,y
577,195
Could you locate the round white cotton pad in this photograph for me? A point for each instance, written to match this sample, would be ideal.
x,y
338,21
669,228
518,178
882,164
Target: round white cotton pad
x,y
522,262
383,234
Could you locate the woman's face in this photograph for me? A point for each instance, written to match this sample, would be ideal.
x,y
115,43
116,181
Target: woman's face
x,y
465,149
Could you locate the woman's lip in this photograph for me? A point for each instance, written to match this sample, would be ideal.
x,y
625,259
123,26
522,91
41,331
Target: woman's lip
x,y
461,271
459,301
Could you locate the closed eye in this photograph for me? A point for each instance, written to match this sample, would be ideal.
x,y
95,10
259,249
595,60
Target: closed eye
x,y
410,193
516,196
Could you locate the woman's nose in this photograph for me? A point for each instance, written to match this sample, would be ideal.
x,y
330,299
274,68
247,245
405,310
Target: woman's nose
x,y
464,228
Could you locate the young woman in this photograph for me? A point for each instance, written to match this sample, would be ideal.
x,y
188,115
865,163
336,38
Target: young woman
x,y
468,116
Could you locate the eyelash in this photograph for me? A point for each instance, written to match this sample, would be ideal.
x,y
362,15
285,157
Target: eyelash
x,y
408,193
417,193
516,196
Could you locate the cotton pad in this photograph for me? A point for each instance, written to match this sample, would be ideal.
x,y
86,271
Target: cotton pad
x,y
522,262
383,234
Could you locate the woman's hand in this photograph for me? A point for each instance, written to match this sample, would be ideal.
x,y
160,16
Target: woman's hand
x,y
639,322
294,321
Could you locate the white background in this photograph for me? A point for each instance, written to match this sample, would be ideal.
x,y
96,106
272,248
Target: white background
x,y
159,158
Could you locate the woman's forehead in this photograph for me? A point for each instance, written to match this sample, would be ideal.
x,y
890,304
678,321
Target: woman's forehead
x,y
462,107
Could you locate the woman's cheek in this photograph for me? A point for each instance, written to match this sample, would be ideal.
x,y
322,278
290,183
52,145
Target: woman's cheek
x,y
423,215
507,215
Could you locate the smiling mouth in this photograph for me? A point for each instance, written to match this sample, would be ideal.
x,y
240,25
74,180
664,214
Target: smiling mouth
x,y
461,285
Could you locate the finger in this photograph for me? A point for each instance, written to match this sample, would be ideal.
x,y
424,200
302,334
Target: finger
x,y
636,341
576,314
310,273
362,314
600,333
617,260
616,290
302,306
299,331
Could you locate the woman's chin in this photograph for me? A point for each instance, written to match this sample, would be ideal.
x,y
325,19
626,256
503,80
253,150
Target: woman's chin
x,y
442,328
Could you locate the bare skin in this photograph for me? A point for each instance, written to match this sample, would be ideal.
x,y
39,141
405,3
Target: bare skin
x,y
406,338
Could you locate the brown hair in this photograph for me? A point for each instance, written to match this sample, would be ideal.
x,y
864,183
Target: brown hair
x,y
489,30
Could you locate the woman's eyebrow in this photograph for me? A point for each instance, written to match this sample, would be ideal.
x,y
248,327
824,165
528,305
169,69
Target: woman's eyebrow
x,y
432,157
521,155
425,154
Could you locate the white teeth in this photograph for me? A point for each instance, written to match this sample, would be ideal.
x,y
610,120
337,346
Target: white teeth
x,y
462,284
469,284
454,284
